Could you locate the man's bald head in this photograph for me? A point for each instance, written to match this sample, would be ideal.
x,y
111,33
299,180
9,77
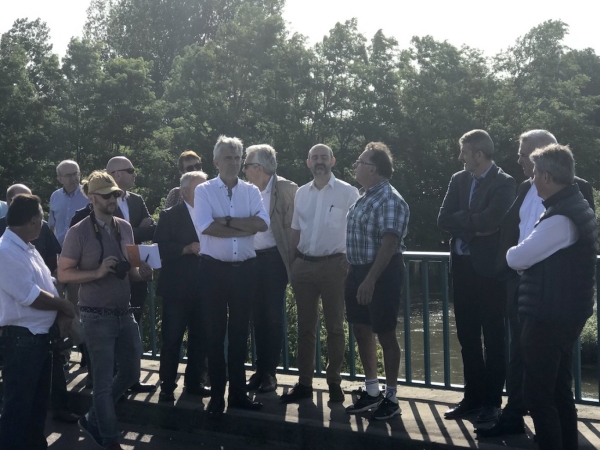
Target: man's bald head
x,y
121,169
118,163
15,190
320,147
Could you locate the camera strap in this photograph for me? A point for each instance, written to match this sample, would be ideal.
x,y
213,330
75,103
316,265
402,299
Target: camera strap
x,y
99,236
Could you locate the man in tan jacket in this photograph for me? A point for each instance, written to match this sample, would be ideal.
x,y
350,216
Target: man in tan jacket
x,y
272,252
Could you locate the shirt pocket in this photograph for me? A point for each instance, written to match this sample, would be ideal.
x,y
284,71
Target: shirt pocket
x,y
334,218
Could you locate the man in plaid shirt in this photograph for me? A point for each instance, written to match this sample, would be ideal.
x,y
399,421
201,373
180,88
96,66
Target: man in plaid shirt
x,y
377,226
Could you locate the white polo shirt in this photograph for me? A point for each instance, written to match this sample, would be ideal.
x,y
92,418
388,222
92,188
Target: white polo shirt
x,y
211,200
22,275
320,215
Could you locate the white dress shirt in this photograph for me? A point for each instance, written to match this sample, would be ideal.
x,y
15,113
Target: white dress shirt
x,y
22,277
122,202
320,215
550,236
211,201
530,212
266,239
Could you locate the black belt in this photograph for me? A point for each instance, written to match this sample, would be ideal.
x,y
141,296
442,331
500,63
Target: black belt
x,y
13,330
317,258
108,311
227,263
266,251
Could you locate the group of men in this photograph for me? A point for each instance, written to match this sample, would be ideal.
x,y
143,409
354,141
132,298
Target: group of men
x,y
230,247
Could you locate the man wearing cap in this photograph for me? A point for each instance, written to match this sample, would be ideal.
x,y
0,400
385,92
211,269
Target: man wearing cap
x,y
94,256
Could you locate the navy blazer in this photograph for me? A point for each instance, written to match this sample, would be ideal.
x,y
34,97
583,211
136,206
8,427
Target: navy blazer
x,y
138,212
179,273
490,203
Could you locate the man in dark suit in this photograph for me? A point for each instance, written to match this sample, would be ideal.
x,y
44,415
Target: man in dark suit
x,y
516,226
180,290
476,201
133,209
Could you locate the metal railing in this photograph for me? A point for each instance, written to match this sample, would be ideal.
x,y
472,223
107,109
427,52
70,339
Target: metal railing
x,y
426,273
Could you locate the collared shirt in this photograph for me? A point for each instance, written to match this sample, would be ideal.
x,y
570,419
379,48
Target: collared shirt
x,y
22,278
459,241
266,239
62,210
530,212
320,216
378,210
123,206
211,200
3,209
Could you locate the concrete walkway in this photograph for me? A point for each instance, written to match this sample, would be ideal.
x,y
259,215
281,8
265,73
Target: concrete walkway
x,y
318,424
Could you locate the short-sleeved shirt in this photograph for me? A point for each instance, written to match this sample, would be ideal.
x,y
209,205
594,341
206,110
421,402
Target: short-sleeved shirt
x,y
379,210
62,210
23,276
82,246
320,216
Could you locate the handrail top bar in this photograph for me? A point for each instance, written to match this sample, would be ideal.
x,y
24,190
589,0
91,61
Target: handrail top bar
x,y
439,255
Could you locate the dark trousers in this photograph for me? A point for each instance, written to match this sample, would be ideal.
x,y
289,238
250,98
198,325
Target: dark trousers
x,y
548,359
229,289
58,396
515,408
479,304
178,315
26,375
267,310
139,292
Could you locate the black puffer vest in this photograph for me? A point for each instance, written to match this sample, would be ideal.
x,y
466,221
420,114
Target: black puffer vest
x,y
561,287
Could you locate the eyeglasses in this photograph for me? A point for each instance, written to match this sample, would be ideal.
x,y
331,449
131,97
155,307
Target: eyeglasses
x,y
71,175
246,165
130,171
115,194
358,162
193,167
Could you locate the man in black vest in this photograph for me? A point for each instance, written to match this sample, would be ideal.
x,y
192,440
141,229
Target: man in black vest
x,y
476,201
516,226
556,295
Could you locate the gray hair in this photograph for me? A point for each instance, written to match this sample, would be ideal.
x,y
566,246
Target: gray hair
x,y
265,155
66,162
478,141
227,142
187,178
535,139
557,161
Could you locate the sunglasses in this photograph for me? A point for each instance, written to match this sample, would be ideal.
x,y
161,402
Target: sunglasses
x,y
115,194
246,165
193,167
130,171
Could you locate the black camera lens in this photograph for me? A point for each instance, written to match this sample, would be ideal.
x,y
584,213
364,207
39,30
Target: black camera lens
x,y
121,269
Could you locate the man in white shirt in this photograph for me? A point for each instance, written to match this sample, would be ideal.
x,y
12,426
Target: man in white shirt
x,y
557,262
228,212
29,305
318,269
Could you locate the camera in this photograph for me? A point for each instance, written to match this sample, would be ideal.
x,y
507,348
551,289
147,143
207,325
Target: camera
x,y
121,269
58,342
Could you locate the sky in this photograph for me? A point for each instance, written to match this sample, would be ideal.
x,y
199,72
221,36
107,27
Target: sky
x,y
489,28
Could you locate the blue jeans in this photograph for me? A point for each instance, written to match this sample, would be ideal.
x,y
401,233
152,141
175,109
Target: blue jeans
x,y
26,375
110,339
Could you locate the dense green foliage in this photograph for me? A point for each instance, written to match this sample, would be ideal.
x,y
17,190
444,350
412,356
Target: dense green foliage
x,y
151,79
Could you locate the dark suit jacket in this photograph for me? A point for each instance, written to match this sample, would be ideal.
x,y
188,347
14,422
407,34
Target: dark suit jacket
x,y
138,212
488,207
509,234
179,273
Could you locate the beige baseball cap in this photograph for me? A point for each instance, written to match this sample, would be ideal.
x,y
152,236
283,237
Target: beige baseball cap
x,y
101,182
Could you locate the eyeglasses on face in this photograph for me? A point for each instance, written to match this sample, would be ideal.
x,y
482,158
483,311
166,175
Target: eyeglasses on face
x,y
115,194
71,175
246,165
193,167
130,171
359,162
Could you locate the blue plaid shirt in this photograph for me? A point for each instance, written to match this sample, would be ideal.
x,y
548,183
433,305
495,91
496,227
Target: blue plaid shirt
x,y
379,210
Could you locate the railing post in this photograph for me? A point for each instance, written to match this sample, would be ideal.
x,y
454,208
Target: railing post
x,y
152,308
286,347
352,352
426,342
446,323
407,346
318,364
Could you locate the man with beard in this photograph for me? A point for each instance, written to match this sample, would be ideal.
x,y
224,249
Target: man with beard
x,y
318,269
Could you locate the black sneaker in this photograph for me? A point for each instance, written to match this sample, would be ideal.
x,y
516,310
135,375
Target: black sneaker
x,y
386,410
90,430
364,402
254,382
298,392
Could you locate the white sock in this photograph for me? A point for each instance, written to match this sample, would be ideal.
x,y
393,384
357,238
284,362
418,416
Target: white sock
x,y
372,387
390,393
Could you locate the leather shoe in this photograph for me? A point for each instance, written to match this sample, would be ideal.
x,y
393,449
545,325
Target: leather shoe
x,y
268,383
243,403
461,409
166,396
142,387
298,392
199,390
501,428
335,393
488,414
254,382
215,408
65,416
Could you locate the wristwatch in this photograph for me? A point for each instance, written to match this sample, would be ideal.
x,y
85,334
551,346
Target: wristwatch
x,y
227,220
